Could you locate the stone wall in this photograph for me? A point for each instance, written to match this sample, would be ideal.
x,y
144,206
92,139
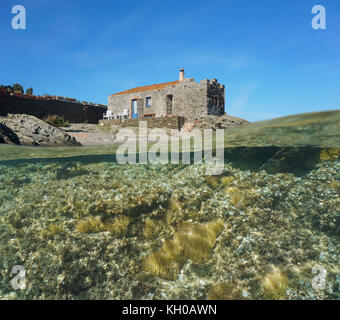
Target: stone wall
x,y
216,98
41,108
173,122
190,99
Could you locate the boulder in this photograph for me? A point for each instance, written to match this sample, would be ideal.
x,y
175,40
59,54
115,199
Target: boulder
x,y
30,131
223,122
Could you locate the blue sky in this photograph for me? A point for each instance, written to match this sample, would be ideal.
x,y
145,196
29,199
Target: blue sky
x,y
271,60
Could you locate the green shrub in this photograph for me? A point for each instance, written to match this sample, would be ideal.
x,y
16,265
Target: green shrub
x,y
18,87
56,121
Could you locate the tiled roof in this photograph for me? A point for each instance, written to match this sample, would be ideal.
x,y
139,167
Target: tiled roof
x,y
158,86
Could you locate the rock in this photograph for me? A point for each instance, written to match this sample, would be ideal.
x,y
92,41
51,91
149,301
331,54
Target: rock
x,y
296,160
7,135
226,121
223,122
30,131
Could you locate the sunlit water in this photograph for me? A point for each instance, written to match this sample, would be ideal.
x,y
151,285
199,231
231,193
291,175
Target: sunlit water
x,y
83,226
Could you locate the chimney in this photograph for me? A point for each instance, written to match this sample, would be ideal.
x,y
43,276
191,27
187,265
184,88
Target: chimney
x,y
181,74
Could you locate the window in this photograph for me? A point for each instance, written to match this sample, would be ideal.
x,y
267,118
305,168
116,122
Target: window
x,y
148,102
149,115
169,99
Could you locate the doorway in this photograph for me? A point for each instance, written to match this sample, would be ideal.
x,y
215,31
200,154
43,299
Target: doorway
x,y
134,109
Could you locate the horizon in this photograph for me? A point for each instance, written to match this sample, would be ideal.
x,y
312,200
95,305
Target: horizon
x,y
271,60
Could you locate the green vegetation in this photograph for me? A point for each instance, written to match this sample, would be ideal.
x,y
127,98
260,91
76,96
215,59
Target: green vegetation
x,y
223,291
29,91
151,228
56,121
213,181
329,154
275,285
241,198
18,88
52,230
190,242
90,225
119,225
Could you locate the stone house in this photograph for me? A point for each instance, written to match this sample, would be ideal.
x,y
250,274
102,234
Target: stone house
x,y
184,97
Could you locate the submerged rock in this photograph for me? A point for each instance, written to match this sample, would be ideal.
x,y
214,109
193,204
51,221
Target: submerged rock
x,y
30,131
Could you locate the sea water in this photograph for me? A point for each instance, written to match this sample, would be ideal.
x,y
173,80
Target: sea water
x,y
75,224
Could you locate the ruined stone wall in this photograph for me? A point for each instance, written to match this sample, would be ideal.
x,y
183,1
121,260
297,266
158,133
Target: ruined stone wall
x,y
71,112
216,98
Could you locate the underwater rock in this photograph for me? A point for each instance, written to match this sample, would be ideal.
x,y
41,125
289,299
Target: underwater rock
x,y
296,160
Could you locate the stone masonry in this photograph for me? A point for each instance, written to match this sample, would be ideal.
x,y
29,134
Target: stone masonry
x,y
70,111
185,97
173,122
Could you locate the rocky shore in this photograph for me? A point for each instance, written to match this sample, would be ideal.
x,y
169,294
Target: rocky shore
x,y
30,131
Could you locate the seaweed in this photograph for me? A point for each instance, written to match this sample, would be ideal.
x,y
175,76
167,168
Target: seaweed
x,y
191,242
275,285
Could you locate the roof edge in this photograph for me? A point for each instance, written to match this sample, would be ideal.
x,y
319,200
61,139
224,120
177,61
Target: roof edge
x,y
151,87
